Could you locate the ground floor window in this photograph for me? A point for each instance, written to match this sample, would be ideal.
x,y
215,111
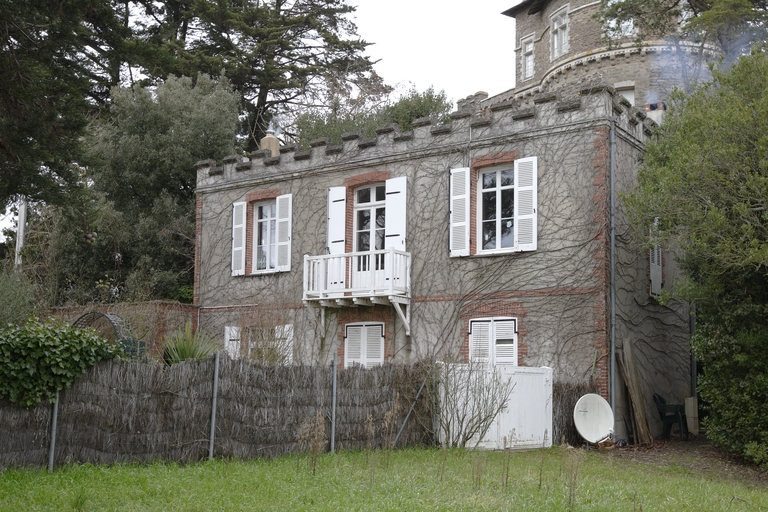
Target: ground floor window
x,y
493,340
364,344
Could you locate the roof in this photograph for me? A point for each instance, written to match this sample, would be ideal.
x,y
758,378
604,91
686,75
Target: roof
x,y
533,7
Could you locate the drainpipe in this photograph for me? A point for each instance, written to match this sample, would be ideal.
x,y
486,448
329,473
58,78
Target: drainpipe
x,y
612,157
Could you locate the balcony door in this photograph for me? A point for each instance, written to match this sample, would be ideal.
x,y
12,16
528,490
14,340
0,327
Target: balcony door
x,y
368,270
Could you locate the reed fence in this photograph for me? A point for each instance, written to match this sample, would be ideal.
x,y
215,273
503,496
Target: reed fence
x,y
122,411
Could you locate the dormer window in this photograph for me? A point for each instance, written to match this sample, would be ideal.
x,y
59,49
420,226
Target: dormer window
x,y
527,46
559,33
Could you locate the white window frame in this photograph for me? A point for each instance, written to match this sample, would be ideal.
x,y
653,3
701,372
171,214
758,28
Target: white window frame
x,y
364,344
232,341
524,219
271,238
284,212
493,341
394,217
528,57
656,268
283,340
559,22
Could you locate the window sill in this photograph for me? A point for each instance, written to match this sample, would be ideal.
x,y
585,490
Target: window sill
x,y
498,252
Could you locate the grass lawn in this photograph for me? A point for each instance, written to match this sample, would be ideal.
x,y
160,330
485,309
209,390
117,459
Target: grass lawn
x,y
413,479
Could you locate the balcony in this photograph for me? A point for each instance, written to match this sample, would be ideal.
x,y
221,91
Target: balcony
x,y
360,279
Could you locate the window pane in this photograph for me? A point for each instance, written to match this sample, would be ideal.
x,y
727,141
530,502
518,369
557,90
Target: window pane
x,y
507,203
489,235
379,239
262,235
508,178
489,205
364,241
381,193
380,213
261,259
272,238
489,179
363,220
507,233
364,195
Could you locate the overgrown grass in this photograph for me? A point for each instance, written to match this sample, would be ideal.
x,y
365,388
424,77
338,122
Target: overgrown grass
x,y
419,479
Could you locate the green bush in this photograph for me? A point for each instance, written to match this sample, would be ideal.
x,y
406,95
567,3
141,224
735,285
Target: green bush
x,y
38,358
735,385
185,344
17,296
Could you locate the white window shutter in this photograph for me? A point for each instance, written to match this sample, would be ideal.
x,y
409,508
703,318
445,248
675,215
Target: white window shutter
x,y
505,339
284,206
395,219
525,204
480,341
374,345
459,205
353,345
238,239
337,220
232,341
656,270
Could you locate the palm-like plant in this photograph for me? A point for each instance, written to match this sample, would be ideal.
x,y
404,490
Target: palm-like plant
x,y
185,344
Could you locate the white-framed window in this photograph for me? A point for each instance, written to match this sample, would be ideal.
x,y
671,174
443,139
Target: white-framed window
x,y
370,224
656,269
232,341
272,345
364,344
373,205
528,57
559,23
265,236
493,340
506,200
271,234
626,89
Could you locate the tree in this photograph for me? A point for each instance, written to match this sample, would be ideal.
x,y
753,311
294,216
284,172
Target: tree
x,y
280,55
731,25
58,60
411,106
131,233
705,180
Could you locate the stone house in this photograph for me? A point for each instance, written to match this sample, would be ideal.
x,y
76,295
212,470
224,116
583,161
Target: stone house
x,y
497,236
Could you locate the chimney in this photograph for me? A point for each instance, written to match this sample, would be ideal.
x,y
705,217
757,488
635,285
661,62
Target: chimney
x,y
655,111
270,142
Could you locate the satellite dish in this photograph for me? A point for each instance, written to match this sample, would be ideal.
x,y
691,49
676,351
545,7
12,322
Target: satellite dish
x,y
593,418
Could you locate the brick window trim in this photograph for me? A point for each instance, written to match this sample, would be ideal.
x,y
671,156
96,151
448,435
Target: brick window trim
x,y
376,314
478,163
250,199
493,309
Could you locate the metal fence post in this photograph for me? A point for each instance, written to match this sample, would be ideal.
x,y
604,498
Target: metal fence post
x,y
54,418
333,405
213,405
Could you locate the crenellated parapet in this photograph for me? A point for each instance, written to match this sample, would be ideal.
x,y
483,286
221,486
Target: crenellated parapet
x,y
472,124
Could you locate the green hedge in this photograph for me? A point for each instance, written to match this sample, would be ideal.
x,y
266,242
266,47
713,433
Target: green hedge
x,y
38,358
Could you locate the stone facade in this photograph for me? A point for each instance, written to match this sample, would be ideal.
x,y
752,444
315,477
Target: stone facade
x,y
556,292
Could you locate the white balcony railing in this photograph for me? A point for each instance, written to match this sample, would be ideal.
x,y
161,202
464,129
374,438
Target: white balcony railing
x,y
385,274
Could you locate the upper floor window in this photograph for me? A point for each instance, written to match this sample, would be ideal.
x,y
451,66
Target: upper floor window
x,y
270,231
506,218
264,245
527,46
559,33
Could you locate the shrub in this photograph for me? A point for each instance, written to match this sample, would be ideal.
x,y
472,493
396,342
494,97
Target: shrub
x,y
184,344
735,385
39,358
17,296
